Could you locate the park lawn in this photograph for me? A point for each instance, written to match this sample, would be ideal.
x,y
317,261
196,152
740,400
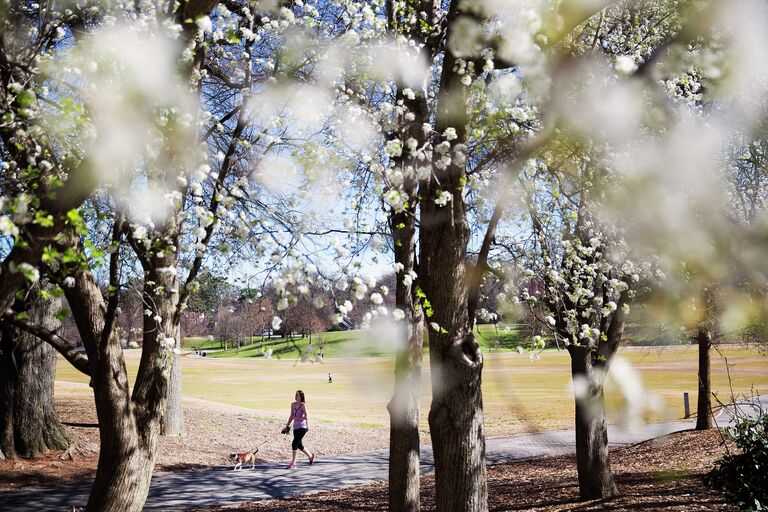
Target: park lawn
x,y
518,394
200,342
353,343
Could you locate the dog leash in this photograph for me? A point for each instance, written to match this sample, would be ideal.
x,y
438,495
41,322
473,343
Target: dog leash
x,y
262,444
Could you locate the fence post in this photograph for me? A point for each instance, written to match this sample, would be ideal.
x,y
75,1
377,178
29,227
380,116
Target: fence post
x,y
687,405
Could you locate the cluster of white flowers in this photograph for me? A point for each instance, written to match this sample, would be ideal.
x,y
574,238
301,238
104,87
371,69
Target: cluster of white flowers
x,y
575,293
443,198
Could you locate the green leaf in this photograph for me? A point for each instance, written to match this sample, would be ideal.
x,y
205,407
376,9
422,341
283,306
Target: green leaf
x,y
70,256
62,315
232,37
428,308
43,220
75,219
50,254
95,252
26,98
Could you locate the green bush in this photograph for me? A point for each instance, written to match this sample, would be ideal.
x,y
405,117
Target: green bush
x,y
743,476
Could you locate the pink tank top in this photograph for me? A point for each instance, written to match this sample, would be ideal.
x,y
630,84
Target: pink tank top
x,y
299,411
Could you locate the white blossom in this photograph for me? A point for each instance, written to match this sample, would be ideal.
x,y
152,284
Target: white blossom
x,y
443,198
625,65
204,24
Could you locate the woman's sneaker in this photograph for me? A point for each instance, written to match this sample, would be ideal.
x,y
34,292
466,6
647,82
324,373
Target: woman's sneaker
x,y
312,459
291,465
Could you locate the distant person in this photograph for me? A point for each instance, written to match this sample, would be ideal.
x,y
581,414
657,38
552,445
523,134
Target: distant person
x,y
330,379
300,427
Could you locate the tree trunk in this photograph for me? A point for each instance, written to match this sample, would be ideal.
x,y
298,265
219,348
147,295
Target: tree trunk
x,y
128,428
456,412
173,419
458,437
29,424
128,435
404,408
163,293
122,482
7,392
704,407
592,460
404,443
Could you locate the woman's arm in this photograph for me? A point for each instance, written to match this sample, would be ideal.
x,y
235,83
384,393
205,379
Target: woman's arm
x,y
303,406
290,417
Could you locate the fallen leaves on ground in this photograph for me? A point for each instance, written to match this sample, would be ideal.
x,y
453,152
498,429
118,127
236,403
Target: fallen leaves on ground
x,y
661,474
213,431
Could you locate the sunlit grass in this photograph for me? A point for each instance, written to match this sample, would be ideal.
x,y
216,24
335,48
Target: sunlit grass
x,y
518,394
354,343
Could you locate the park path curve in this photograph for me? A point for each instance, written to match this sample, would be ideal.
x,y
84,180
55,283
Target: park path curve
x,y
222,486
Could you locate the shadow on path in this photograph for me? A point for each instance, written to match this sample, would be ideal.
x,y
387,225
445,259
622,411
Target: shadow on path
x,y
222,486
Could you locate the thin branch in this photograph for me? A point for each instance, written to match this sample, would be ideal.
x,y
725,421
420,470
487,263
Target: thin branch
x,y
62,346
226,167
113,295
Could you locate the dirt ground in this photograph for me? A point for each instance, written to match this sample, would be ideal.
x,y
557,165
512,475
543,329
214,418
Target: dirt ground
x,y
212,432
663,474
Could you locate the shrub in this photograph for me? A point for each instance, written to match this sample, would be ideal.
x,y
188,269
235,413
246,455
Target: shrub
x,y
743,475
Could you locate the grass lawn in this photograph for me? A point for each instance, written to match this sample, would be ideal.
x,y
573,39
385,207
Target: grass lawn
x,y
200,342
355,343
518,394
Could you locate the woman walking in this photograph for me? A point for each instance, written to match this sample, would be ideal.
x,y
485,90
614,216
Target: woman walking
x,y
299,418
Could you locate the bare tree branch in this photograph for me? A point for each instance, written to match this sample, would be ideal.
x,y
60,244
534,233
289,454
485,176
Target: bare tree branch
x,y
62,346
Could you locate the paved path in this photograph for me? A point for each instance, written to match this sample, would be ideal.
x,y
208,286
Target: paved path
x,y
198,489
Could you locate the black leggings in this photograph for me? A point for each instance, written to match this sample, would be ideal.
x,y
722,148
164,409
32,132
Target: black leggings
x,y
298,435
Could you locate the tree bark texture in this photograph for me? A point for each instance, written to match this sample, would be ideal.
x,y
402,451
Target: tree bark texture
x,y
404,413
456,425
592,461
161,294
173,418
704,406
29,425
404,408
128,429
127,443
7,392
456,412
